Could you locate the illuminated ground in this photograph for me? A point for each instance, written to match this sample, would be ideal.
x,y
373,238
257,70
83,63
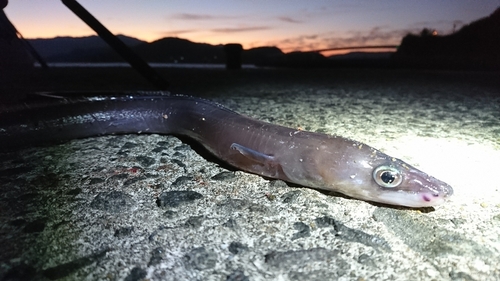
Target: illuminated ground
x,y
89,209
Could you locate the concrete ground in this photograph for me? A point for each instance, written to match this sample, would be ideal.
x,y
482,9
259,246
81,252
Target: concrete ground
x,y
151,207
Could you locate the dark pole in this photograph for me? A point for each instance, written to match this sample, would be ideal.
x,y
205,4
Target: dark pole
x,y
123,50
33,51
29,47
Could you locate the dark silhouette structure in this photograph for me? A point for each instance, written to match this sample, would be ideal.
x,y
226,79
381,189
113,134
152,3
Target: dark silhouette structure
x,y
233,55
474,46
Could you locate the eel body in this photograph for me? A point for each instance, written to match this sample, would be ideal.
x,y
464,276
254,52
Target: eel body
x,y
306,158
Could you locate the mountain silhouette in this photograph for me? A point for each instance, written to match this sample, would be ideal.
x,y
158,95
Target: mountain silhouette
x,y
169,50
79,49
173,49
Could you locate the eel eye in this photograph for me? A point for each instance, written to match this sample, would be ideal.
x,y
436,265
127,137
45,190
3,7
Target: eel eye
x,y
387,176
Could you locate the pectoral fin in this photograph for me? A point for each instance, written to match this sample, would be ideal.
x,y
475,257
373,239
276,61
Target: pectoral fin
x,y
254,155
257,162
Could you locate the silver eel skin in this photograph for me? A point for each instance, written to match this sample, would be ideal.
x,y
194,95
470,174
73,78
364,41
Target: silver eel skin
x,y
309,159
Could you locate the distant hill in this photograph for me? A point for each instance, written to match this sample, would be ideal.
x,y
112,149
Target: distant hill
x,y
180,50
474,46
170,49
77,49
261,55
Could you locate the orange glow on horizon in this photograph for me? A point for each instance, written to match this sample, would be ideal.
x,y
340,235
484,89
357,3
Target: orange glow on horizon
x,y
343,52
246,42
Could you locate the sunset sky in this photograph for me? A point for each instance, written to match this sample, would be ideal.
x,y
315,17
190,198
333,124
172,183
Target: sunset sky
x,y
289,25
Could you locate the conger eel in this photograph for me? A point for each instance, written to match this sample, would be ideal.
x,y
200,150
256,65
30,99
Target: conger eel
x,y
309,159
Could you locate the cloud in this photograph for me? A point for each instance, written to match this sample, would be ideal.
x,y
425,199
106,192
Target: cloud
x,y
200,17
188,16
289,19
310,37
379,35
177,32
240,29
